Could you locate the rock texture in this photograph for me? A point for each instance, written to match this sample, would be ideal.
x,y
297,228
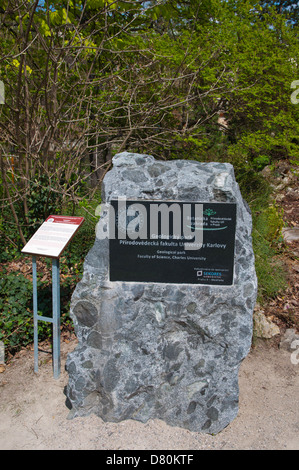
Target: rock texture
x,y
290,340
160,350
263,327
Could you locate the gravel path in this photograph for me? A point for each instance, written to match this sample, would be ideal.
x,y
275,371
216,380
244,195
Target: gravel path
x,y
33,414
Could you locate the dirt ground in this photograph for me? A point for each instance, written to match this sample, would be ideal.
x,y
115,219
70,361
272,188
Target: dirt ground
x,y
33,414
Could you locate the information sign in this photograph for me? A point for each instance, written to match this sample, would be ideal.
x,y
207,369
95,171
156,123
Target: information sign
x,y
50,240
53,236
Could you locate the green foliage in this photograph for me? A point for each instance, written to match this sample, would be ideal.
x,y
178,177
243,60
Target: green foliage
x,y
43,200
16,319
73,256
267,240
269,224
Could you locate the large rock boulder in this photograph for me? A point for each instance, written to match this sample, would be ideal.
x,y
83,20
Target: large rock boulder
x,y
160,350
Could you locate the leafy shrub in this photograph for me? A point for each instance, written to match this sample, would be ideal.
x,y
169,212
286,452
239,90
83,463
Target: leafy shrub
x,y
43,200
16,307
266,239
16,320
16,290
269,223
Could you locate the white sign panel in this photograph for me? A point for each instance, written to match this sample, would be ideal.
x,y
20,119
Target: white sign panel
x,y
53,236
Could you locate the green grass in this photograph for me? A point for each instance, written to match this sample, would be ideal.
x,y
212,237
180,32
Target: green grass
x,y
267,245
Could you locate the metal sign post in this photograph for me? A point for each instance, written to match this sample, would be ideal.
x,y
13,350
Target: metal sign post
x,y
56,317
50,240
55,320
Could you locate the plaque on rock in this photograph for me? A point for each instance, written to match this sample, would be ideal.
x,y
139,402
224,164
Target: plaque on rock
x,y
201,252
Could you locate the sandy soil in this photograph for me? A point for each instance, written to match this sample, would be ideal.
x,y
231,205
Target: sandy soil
x,y
33,414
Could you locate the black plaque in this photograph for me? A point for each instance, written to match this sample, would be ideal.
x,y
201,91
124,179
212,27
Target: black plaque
x,y
163,258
